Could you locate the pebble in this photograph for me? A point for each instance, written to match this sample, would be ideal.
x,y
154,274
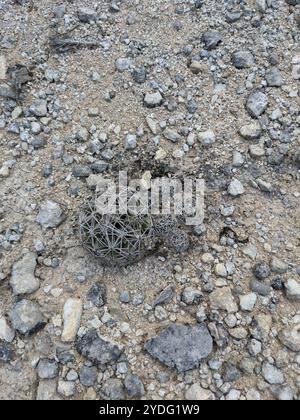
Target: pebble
x,y
260,288
292,288
134,386
153,100
277,266
165,296
251,131
247,302
6,352
207,138
180,346
26,317
123,64
66,388
39,108
6,332
236,188
97,295
47,369
23,280
243,59
211,39
261,271
86,15
257,104
197,393
130,142
88,376
72,318
274,78
222,299
272,375
171,135
290,337
191,296
50,215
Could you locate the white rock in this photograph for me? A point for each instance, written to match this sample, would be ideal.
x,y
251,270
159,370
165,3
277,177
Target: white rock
x,y
207,138
292,288
196,393
23,280
236,188
248,302
66,388
2,67
6,332
72,317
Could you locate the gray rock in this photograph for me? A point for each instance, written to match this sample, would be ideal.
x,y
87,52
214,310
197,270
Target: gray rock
x,y
87,15
124,297
88,376
81,171
50,215
6,352
272,375
6,332
222,299
165,296
153,100
274,78
130,142
39,108
47,369
123,64
260,288
247,302
277,266
243,59
284,393
211,39
97,350
257,104
231,373
171,135
97,295
197,393
46,391
26,317
23,280
72,313
181,347
66,388
261,271
113,389
292,288
134,386
236,188
290,337
191,296
139,75
251,131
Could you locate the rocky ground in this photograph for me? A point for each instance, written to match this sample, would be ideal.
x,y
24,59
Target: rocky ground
x,y
206,88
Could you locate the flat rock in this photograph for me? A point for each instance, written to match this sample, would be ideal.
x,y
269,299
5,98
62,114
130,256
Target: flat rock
x,y
23,280
180,346
97,350
26,317
222,299
50,215
72,317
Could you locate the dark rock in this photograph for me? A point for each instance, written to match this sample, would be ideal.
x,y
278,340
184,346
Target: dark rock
x,y
134,386
97,350
260,288
113,389
261,271
181,347
232,373
81,171
88,376
165,296
97,295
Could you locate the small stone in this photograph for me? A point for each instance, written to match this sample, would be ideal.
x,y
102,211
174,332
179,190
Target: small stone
x,y
274,78
261,271
113,389
66,388
290,337
263,185
277,266
256,151
236,188
242,59
6,352
260,288
123,64
172,135
238,159
23,280
272,375
257,104
180,346
52,75
153,100
88,376
292,288
232,373
6,332
134,386
26,317
197,67
139,75
50,215
254,347
81,171
247,302
239,333
211,39
39,108
72,318
165,296
46,391
251,131
82,134
221,270
197,393
124,297
222,299
97,295
47,369
97,350
3,67
130,142
191,296
207,138
87,15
